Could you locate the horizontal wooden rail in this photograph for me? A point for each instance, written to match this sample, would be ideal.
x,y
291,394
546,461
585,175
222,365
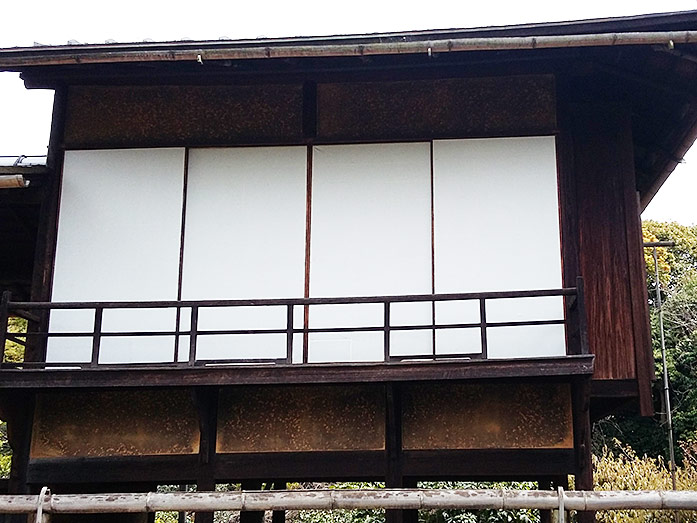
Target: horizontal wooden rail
x,y
334,499
404,298
574,320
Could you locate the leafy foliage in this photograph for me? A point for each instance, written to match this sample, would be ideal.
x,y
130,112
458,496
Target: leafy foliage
x,y
480,516
5,452
678,277
14,352
435,516
622,469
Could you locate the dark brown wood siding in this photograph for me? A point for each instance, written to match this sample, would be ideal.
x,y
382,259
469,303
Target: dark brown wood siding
x,y
104,117
602,239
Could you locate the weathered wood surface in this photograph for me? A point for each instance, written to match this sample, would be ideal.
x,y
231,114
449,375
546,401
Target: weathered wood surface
x,y
498,499
453,369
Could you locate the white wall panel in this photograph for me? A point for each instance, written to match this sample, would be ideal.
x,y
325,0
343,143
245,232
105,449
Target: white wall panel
x,y
370,236
244,238
497,228
118,239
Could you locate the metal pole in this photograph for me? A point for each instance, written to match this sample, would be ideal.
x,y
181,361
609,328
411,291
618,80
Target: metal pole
x,y
666,383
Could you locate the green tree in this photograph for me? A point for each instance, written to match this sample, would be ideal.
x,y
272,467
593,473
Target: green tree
x,y
678,275
13,353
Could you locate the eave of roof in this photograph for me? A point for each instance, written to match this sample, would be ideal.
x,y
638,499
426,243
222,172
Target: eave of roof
x,y
524,36
665,30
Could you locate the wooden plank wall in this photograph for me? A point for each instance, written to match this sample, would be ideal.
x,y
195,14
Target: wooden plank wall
x,y
602,239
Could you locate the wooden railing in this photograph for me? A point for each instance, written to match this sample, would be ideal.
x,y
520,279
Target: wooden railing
x,y
37,314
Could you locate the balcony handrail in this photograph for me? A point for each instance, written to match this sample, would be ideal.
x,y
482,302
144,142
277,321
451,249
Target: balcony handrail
x,y
574,316
405,298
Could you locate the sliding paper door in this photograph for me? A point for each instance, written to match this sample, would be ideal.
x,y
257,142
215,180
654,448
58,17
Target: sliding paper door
x,y
118,240
497,229
371,235
244,239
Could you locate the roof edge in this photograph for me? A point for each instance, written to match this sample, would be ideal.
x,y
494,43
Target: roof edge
x,y
16,58
19,60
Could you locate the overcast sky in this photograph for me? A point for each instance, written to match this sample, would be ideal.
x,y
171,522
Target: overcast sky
x,y
25,115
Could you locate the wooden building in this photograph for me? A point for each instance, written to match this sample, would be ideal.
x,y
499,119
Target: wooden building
x,y
399,257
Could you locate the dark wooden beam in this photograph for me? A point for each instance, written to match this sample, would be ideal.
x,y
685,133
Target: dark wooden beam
x,y
489,464
155,469
309,110
301,466
443,370
614,389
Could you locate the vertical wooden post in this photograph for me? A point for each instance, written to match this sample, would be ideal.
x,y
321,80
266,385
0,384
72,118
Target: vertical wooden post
x,y
20,418
206,401
256,516
96,336
580,399
582,319
47,233
181,516
19,427
545,515
4,319
279,516
394,477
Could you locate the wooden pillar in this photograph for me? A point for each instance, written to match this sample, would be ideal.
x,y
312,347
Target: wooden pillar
x,y
256,516
206,401
18,412
47,233
583,474
394,477
545,515
279,516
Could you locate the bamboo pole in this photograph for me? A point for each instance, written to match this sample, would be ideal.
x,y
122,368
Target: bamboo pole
x,y
405,499
202,52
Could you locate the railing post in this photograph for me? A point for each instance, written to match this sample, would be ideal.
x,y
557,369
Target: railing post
x,y
4,320
289,334
482,321
193,335
387,331
581,312
96,336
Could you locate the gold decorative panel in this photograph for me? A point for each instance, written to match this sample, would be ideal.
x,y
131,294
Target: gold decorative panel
x,y
151,116
444,108
301,418
114,423
487,416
